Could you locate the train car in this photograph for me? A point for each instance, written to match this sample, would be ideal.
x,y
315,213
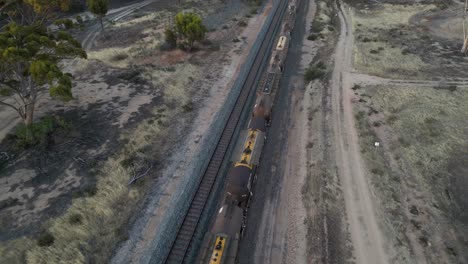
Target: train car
x,y
221,243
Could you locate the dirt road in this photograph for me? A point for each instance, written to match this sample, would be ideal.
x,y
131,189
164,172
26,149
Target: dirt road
x,y
366,236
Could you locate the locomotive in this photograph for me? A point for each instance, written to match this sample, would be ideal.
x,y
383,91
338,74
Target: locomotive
x,y
221,242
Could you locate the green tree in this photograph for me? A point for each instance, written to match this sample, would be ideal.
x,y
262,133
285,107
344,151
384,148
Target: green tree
x,y
98,8
29,57
28,12
190,28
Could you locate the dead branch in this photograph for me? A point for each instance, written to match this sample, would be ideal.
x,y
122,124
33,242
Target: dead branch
x,y
136,177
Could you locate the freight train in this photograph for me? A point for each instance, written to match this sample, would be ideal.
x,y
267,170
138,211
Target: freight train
x,y
221,243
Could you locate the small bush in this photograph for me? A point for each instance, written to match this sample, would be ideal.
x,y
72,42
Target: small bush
x,y
235,40
313,73
76,219
405,51
316,71
317,26
373,51
312,37
356,87
34,134
46,239
79,19
331,28
225,27
170,37
366,39
188,107
253,11
242,23
119,57
377,171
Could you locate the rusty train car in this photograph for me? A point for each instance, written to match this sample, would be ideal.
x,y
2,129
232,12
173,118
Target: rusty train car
x,y
220,245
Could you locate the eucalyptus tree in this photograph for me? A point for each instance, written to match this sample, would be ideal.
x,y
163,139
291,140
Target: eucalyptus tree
x,y
29,57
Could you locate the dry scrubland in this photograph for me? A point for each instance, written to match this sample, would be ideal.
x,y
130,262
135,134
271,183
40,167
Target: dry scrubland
x,y
419,173
406,41
373,53
95,221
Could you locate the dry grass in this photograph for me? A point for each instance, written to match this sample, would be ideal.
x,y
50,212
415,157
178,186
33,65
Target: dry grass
x,y
431,121
102,214
426,128
175,91
375,56
108,56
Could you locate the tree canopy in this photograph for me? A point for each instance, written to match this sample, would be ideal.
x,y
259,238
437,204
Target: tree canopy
x,y
98,8
28,12
189,28
29,57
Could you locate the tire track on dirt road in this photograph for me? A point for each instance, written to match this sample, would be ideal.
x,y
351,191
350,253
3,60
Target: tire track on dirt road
x,y
366,236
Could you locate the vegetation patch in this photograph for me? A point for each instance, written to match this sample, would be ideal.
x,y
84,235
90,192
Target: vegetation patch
x,y
38,133
374,53
428,138
315,71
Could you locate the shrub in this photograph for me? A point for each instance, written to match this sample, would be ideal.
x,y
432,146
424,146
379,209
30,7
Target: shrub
x,y
377,171
235,40
242,23
170,38
253,11
312,37
119,57
374,51
188,107
366,39
355,87
79,19
34,134
76,219
313,73
317,26
46,239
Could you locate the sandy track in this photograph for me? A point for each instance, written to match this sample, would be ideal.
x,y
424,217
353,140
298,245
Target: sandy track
x,y
366,236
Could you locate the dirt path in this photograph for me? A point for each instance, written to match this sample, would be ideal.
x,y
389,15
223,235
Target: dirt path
x,y
366,236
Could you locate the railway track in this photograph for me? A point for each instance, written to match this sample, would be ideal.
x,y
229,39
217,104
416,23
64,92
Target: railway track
x,y
186,231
